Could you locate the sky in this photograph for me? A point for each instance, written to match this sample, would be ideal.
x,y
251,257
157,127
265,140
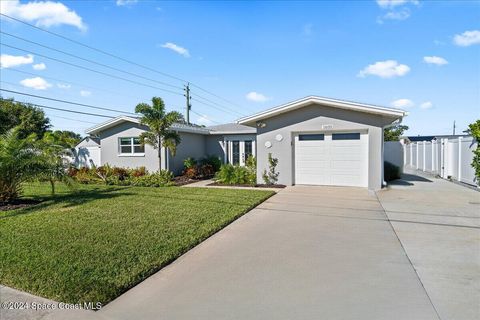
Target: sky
x,y
245,57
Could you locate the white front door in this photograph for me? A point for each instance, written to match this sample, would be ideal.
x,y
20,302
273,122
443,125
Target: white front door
x,y
239,150
336,159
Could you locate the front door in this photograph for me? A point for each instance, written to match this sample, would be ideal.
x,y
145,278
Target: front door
x,y
240,150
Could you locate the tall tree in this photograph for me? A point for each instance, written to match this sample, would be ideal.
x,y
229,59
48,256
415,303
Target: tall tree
x,y
159,123
27,118
394,133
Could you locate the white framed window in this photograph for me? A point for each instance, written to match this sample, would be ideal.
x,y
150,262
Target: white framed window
x,y
130,146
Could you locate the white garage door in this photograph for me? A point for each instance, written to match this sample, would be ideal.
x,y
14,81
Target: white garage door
x,y
333,159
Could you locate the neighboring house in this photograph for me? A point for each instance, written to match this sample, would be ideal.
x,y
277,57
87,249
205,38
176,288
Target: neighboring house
x,y
410,139
87,152
317,141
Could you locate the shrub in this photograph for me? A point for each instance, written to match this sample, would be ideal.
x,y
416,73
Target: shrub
x,y
230,174
213,161
390,171
474,130
138,172
206,171
271,177
191,173
189,163
160,178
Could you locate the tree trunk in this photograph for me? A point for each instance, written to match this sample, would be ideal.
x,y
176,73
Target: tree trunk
x,y
159,153
52,184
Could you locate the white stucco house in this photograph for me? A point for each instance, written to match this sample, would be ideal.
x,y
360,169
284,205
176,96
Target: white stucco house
x,y
318,141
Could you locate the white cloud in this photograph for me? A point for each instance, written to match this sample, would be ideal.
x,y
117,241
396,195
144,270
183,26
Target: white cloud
x,y
64,85
43,13
36,83
439,61
39,66
395,15
126,2
386,4
426,105
85,93
385,69
402,103
8,61
308,29
205,120
256,97
467,38
180,50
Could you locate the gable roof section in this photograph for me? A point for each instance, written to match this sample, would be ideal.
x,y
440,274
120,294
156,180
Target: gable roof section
x,y
116,121
341,104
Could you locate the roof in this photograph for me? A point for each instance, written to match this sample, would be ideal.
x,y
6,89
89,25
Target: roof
x,y
342,104
430,138
88,139
231,128
115,121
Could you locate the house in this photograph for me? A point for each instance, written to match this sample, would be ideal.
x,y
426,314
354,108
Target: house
x,y
318,141
87,152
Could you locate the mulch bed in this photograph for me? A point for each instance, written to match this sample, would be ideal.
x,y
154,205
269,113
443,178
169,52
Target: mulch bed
x,y
183,180
279,186
17,204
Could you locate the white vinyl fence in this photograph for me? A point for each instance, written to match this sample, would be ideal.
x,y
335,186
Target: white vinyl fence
x,y
448,158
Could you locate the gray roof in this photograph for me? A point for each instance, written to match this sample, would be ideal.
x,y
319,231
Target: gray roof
x,y
231,128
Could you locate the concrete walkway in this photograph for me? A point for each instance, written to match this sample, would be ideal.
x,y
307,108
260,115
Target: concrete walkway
x,y
306,253
438,224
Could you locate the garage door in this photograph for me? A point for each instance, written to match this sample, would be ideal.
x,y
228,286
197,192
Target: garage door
x,y
333,159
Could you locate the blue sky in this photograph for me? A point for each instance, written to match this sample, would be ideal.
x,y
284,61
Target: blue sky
x,y
421,56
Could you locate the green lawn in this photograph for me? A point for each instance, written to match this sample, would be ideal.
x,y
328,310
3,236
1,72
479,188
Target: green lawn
x,y
98,241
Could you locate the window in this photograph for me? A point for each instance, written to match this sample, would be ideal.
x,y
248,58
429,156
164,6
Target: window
x,y
346,136
235,152
131,146
310,137
248,149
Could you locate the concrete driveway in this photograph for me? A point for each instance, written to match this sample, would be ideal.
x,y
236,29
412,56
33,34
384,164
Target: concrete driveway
x,y
306,253
438,224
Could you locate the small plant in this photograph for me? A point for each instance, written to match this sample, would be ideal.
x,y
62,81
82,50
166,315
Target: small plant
x,y
230,174
251,165
390,171
138,172
189,163
270,177
161,178
213,161
474,130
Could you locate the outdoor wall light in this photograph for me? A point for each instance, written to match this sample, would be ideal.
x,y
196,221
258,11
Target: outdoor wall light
x,y
261,124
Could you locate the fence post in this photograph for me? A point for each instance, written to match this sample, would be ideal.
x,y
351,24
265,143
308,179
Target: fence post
x,y
411,154
433,157
424,155
460,158
416,164
442,158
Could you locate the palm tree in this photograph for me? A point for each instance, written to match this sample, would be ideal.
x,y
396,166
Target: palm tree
x,y
159,123
20,161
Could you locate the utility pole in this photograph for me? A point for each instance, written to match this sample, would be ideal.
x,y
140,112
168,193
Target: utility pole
x,y
189,106
453,127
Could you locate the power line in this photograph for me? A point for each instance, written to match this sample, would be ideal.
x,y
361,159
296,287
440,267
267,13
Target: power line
x,y
219,105
67,81
201,115
91,61
55,116
210,105
118,57
64,101
91,70
65,110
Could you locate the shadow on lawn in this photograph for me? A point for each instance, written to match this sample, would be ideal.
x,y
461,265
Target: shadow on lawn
x,y
70,199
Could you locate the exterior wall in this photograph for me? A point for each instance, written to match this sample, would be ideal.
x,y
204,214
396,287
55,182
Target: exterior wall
x,y
214,146
393,153
318,118
87,154
110,153
192,145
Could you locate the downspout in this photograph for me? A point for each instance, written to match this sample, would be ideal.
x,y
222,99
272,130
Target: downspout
x,y
394,123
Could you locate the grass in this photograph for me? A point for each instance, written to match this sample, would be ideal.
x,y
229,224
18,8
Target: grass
x,y
94,243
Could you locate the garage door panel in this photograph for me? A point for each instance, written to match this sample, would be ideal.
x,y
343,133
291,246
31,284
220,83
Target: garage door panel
x,y
332,162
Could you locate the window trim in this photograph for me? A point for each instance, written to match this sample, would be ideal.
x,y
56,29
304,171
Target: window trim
x,y
132,145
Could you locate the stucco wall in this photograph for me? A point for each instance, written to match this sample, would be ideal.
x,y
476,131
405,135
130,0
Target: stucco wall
x,y
109,148
213,146
311,119
192,145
